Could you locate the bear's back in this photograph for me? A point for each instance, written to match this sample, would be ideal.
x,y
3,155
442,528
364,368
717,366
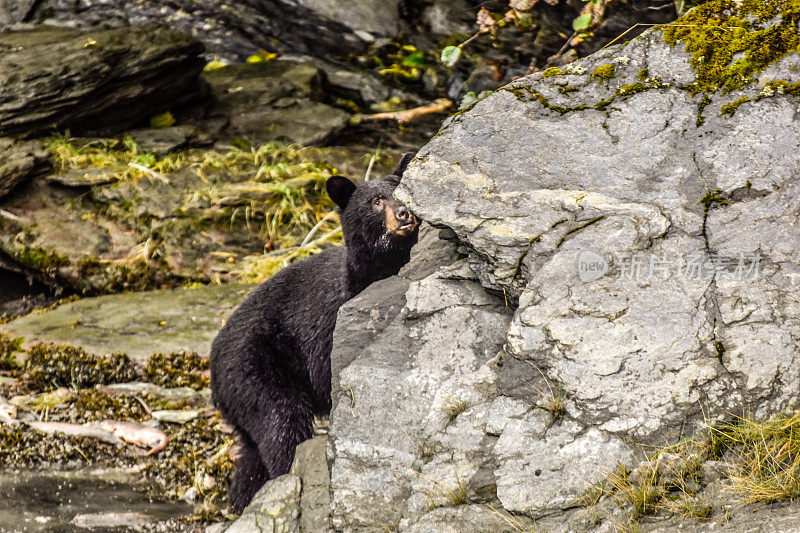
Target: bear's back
x,y
288,321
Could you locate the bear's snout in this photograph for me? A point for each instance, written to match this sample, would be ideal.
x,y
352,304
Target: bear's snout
x,y
403,215
400,221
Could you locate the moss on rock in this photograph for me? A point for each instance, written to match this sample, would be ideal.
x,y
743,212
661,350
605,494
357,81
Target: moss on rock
x,y
730,109
731,41
178,369
605,72
553,71
49,366
9,348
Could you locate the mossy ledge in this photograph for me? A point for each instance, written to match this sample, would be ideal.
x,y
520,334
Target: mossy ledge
x,y
525,93
731,42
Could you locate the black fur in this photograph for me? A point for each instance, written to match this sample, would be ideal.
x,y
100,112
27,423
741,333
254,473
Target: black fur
x,y
270,364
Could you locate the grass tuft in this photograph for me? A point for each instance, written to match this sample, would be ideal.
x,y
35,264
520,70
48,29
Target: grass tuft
x,y
767,457
642,495
454,406
690,507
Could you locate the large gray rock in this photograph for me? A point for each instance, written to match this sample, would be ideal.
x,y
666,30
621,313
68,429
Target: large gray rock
x,y
13,11
404,368
103,80
367,18
274,509
619,258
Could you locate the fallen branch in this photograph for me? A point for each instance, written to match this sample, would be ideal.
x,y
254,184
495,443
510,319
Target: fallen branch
x,y
10,216
149,172
438,105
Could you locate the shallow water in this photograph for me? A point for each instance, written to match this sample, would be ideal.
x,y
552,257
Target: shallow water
x,y
80,501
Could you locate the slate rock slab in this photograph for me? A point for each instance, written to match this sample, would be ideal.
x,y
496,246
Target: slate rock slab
x,y
236,30
138,324
20,161
96,81
278,100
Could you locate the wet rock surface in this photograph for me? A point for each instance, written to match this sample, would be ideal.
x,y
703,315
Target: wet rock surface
x,y
138,324
231,31
81,501
277,100
107,80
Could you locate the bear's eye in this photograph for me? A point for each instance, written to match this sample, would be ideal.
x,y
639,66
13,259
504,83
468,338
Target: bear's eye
x,y
377,201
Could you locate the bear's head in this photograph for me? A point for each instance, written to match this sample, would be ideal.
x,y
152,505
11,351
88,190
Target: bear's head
x,y
373,221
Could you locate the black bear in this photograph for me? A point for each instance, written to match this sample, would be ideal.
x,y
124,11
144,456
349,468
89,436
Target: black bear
x,y
270,363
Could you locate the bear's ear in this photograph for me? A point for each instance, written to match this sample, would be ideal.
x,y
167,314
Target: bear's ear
x,y
404,161
340,189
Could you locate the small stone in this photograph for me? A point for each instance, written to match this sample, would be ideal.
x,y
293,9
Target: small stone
x,y
177,416
711,471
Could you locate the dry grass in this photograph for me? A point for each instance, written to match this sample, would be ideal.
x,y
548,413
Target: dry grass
x,y
454,494
642,496
689,506
767,457
453,406
764,455
555,399
276,190
123,155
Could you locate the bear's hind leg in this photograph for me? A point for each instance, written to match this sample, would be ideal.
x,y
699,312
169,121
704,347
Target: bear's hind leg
x,y
287,424
249,475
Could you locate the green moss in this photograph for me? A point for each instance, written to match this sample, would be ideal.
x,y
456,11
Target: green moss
x,y
179,369
730,109
631,88
732,42
604,103
552,71
136,275
41,259
704,101
566,89
715,197
643,74
9,348
605,72
49,366
525,93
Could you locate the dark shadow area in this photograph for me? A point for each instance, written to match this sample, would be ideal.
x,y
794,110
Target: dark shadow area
x,y
21,292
